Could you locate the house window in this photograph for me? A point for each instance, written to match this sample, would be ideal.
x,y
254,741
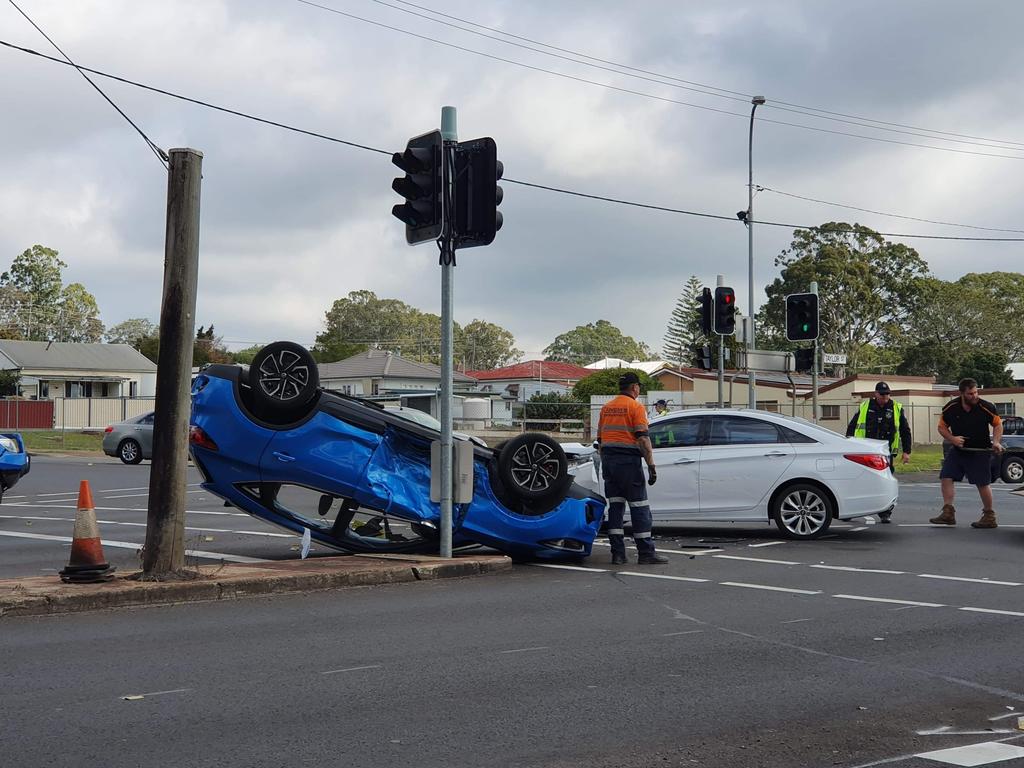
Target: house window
x,y
1006,409
44,389
768,405
345,389
133,389
830,413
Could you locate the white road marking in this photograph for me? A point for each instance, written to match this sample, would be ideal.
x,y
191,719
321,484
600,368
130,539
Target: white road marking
x,y
758,560
126,496
870,521
889,600
973,581
526,650
662,576
1003,717
687,632
569,567
857,570
62,493
858,528
198,529
770,589
766,544
796,621
992,610
666,551
351,669
974,754
132,545
137,696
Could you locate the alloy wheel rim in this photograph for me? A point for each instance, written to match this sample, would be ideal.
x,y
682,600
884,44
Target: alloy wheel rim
x,y
535,467
283,376
129,451
803,513
1015,471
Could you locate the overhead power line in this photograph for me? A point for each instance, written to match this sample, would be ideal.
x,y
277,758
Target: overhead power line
x,y
574,193
674,82
655,97
883,213
160,154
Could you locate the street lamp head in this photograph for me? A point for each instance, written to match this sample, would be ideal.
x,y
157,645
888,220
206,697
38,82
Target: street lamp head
x,y
742,216
757,101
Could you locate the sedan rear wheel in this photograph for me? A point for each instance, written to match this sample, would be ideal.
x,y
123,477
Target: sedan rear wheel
x,y
802,511
1013,469
130,452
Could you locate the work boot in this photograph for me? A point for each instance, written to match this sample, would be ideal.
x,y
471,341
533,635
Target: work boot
x,y
652,559
885,517
947,517
988,519
618,559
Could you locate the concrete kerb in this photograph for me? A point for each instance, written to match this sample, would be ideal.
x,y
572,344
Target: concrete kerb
x,y
46,595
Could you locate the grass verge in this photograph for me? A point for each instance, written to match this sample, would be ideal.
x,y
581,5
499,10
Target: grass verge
x,y
54,440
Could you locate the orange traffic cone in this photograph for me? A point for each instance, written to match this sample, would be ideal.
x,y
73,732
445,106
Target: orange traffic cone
x,y
86,564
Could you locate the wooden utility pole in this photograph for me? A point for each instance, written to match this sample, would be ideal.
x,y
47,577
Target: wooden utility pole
x,y
164,553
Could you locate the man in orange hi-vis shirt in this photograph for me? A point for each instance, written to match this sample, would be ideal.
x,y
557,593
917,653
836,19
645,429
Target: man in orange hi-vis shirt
x,y
622,437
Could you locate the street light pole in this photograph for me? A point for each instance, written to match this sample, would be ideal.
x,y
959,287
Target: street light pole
x,y
751,343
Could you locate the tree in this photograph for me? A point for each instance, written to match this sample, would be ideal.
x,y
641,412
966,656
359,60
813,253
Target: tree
x,y
606,382
987,368
481,346
9,381
78,316
36,275
361,320
209,348
684,325
868,288
553,406
130,331
246,355
586,343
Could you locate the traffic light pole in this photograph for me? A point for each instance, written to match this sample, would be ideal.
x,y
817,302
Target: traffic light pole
x,y
449,135
721,357
814,369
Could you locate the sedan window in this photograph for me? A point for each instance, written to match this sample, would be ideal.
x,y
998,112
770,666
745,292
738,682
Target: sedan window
x,y
740,430
677,433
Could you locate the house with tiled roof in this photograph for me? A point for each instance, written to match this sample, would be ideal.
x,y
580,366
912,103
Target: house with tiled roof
x,y
378,371
524,380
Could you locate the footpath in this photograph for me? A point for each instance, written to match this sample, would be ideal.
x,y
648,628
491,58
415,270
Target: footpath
x,y
48,595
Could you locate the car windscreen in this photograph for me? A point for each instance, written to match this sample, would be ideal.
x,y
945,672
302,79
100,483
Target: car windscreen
x,y
417,417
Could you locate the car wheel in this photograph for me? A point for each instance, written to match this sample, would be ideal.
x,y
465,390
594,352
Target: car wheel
x,y
802,511
1013,469
283,377
129,451
533,467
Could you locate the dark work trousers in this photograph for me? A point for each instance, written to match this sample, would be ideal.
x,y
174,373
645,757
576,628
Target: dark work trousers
x,y
624,484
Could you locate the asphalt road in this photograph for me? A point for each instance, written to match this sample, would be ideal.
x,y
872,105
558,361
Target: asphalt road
x,y
870,647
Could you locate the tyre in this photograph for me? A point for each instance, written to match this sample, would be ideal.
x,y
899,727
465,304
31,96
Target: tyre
x,y
283,378
129,451
1013,469
533,467
802,511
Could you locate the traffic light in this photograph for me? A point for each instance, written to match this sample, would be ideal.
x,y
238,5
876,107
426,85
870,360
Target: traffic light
x,y
702,356
705,311
421,187
477,194
725,311
804,359
802,316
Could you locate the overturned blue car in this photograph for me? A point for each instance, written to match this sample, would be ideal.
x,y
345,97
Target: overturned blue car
x,y
268,440
14,461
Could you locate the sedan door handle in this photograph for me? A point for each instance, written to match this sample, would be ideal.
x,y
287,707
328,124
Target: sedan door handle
x,y
283,457
776,453
684,460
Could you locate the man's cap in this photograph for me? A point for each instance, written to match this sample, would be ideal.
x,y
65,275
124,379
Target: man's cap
x,y
628,378
882,388
661,402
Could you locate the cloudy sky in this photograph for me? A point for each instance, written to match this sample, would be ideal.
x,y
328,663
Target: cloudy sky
x,y
290,223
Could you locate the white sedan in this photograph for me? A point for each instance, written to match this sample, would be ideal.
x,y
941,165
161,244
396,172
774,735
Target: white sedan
x,y
735,465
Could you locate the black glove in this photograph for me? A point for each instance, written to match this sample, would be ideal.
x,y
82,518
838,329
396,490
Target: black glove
x,y
652,475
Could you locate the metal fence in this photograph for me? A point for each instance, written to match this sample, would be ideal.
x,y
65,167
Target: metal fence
x,y
71,413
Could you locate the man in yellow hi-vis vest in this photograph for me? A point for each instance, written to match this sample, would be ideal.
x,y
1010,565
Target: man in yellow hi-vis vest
x,y
882,418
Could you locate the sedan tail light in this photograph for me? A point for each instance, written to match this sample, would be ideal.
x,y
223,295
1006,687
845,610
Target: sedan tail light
x,y
870,460
108,429
196,436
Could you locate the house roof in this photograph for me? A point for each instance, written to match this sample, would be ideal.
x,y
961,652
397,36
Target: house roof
x,y
534,370
63,355
379,363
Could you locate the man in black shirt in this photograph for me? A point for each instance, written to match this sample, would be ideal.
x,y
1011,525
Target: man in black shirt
x,y
964,424
882,418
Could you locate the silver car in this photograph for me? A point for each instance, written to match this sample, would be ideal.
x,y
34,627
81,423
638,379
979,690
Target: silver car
x,y
132,440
